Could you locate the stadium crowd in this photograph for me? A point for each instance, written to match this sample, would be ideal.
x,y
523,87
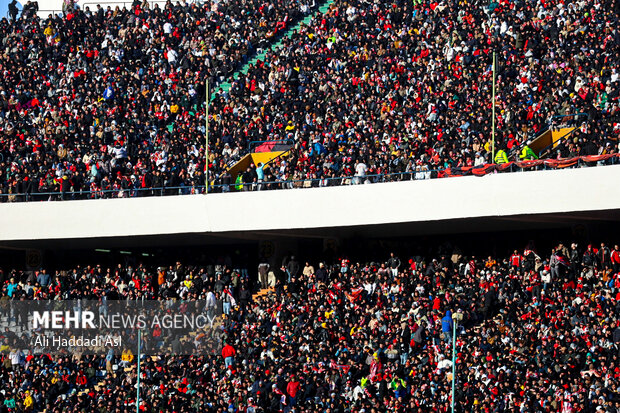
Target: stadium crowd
x,y
539,333
406,87
112,100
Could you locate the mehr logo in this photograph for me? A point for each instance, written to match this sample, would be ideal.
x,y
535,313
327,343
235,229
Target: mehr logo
x,y
86,319
63,319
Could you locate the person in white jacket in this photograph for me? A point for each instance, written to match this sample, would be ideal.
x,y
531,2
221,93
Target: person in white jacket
x,y
545,277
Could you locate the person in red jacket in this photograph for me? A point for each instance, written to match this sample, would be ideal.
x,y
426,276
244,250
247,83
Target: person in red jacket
x,y
292,389
228,352
81,379
615,259
516,260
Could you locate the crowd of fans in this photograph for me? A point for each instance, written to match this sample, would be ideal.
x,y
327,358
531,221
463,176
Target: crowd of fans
x,y
111,100
371,88
539,333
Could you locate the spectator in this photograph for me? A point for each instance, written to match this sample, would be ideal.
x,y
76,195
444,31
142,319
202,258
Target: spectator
x,y
292,268
615,259
13,11
604,256
263,274
308,270
321,273
394,264
44,279
228,353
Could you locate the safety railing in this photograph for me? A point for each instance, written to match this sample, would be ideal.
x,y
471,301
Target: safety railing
x,y
92,5
45,13
559,119
102,194
577,162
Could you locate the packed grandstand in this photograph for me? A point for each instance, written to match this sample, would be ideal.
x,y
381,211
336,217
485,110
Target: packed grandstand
x,y
104,102
108,102
539,333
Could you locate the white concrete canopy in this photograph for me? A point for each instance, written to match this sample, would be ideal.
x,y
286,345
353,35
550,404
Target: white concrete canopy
x,y
498,195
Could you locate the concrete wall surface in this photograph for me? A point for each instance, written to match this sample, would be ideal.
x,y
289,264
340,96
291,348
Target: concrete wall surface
x,y
507,194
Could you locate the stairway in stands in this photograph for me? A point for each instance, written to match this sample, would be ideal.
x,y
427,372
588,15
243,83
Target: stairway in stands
x,y
264,154
225,86
255,156
549,139
558,129
263,293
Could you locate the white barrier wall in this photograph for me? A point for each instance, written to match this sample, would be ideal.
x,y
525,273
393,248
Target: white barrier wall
x,y
571,190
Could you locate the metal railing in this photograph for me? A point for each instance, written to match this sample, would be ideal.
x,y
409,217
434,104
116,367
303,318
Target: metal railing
x,y
102,194
576,116
259,186
92,5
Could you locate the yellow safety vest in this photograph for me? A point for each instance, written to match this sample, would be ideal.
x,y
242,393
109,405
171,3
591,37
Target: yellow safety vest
x,y
501,157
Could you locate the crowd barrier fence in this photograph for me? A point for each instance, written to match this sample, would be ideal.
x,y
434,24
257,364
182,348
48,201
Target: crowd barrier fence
x,y
482,170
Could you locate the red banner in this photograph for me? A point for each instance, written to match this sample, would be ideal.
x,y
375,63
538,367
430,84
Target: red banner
x,y
561,163
503,166
530,164
596,158
551,163
483,170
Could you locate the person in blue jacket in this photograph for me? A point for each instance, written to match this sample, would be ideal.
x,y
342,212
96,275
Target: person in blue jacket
x,y
446,326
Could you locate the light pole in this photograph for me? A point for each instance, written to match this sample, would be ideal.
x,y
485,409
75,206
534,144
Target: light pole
x,y
138,384
207,100
456,317
493,115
